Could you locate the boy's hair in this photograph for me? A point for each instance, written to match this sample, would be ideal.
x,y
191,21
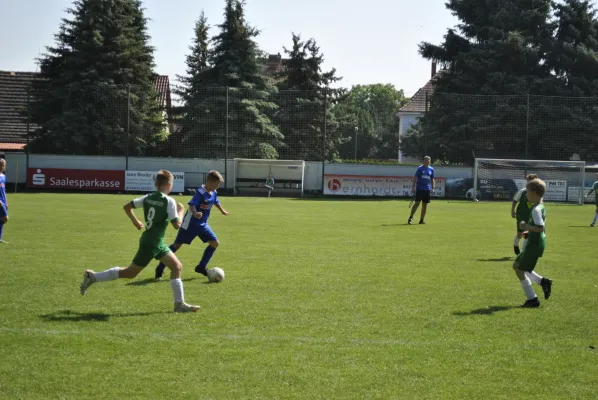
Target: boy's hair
x,y
164,177
531,177
537,186
214,175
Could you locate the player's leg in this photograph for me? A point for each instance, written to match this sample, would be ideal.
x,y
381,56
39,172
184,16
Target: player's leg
x,y
174,248
90,277
595,215
517,239
418,200
545,283
426,198
3,220
171,261
207,236
526,263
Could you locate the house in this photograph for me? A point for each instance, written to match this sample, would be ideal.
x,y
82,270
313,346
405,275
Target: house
x,y
418,105
14,88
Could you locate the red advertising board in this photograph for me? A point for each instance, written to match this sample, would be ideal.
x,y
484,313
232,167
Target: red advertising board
x,y
76,179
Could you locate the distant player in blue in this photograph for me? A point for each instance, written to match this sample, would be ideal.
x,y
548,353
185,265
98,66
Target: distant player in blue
x,y
3,203
195,222
423,185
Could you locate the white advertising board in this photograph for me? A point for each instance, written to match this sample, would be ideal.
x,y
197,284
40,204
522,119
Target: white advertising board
x,y
143,181
362,185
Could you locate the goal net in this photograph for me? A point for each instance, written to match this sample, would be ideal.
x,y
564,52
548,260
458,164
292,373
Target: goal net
x,y
259,177
495,179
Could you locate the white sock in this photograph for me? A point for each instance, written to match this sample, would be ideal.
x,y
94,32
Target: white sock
x,y
516,241
526,284
108,275
537,279
595,218
177,290
524,244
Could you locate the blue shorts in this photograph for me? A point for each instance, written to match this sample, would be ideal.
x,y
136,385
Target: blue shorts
x,y
3,211
204,232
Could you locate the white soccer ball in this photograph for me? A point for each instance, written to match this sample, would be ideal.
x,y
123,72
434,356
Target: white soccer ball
x,y
216,275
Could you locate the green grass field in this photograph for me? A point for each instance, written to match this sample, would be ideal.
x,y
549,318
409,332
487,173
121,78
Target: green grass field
x,y
322,299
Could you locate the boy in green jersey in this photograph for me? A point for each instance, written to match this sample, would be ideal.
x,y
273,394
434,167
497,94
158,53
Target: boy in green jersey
x,y
158,209
270,185
520,209
594,189
526,261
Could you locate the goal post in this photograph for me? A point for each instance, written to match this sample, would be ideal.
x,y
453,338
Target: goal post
x,y
500,179
251,176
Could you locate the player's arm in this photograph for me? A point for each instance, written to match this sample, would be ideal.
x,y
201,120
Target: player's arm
x,y
592,189
193,203
194,211
433,183
175,213
516,201
538,221
218,206
129,207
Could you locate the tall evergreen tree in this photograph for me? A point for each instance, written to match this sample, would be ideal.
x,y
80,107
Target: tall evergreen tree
x,y
239,103
304,90
196,124
81,105
497,49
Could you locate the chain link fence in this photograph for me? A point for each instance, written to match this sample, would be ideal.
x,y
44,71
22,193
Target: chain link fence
x,y
227,123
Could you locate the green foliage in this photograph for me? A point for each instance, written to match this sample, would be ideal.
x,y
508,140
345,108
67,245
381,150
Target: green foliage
x,y
304,98
372,110
101,61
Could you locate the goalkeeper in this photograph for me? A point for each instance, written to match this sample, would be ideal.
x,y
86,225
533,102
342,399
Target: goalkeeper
x,y
520,210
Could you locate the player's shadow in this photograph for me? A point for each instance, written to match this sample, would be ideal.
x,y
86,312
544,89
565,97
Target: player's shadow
x,y
484,311
579,226
502,259
73,316
145,282
387,225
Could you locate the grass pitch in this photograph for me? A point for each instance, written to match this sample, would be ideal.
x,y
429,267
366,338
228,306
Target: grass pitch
x,y
322,299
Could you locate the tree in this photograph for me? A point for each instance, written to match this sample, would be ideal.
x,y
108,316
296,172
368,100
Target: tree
x,y
194,135
305,98
375,107
82,102
238,101
498,48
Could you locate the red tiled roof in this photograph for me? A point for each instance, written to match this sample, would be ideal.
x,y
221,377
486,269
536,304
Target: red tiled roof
x,y
417,103
162,85
12,146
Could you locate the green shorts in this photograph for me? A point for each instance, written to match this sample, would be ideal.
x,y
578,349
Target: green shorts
x,y
147,253
526,261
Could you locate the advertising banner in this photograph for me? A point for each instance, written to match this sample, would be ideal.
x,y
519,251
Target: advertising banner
x,y
143,181
365,185
75,179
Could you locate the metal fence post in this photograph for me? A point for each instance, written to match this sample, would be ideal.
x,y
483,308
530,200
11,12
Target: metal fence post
x,y
425,130
226,144
128,126
325,136
527,116
28,133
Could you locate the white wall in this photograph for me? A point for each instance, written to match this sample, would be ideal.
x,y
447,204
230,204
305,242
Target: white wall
x,y
196,168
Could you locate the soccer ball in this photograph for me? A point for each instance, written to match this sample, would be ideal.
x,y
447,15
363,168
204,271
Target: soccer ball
x,y
216,275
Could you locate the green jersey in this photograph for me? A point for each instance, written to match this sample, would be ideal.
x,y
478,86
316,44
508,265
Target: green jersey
x,y
594,187
523,206
537,240
270,181
158,210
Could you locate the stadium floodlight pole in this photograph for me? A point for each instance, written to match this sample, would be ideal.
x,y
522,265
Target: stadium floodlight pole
x,y
128,126
325,146
527,128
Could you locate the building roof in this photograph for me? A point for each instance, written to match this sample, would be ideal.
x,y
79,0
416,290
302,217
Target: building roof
x,y
417,103
274,64
13,103
12,146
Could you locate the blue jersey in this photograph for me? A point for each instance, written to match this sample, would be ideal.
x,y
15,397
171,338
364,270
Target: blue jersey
x,y
203,201
3,190
424,177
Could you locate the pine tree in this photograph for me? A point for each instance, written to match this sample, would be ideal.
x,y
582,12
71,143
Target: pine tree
x,y
497,49
239,103
81,105
304,90
195,135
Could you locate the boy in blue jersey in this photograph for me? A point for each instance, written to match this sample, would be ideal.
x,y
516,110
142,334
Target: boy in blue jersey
x,y
195,222
3,203
423,185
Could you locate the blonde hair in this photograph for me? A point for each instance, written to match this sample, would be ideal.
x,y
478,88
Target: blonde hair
x,y
214,175
164,177
537,186
531,177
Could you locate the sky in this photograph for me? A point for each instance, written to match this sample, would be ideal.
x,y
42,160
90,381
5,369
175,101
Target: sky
x,y
367,42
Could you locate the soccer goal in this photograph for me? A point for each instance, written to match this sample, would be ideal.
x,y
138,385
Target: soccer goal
x,y
265,177
496,179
